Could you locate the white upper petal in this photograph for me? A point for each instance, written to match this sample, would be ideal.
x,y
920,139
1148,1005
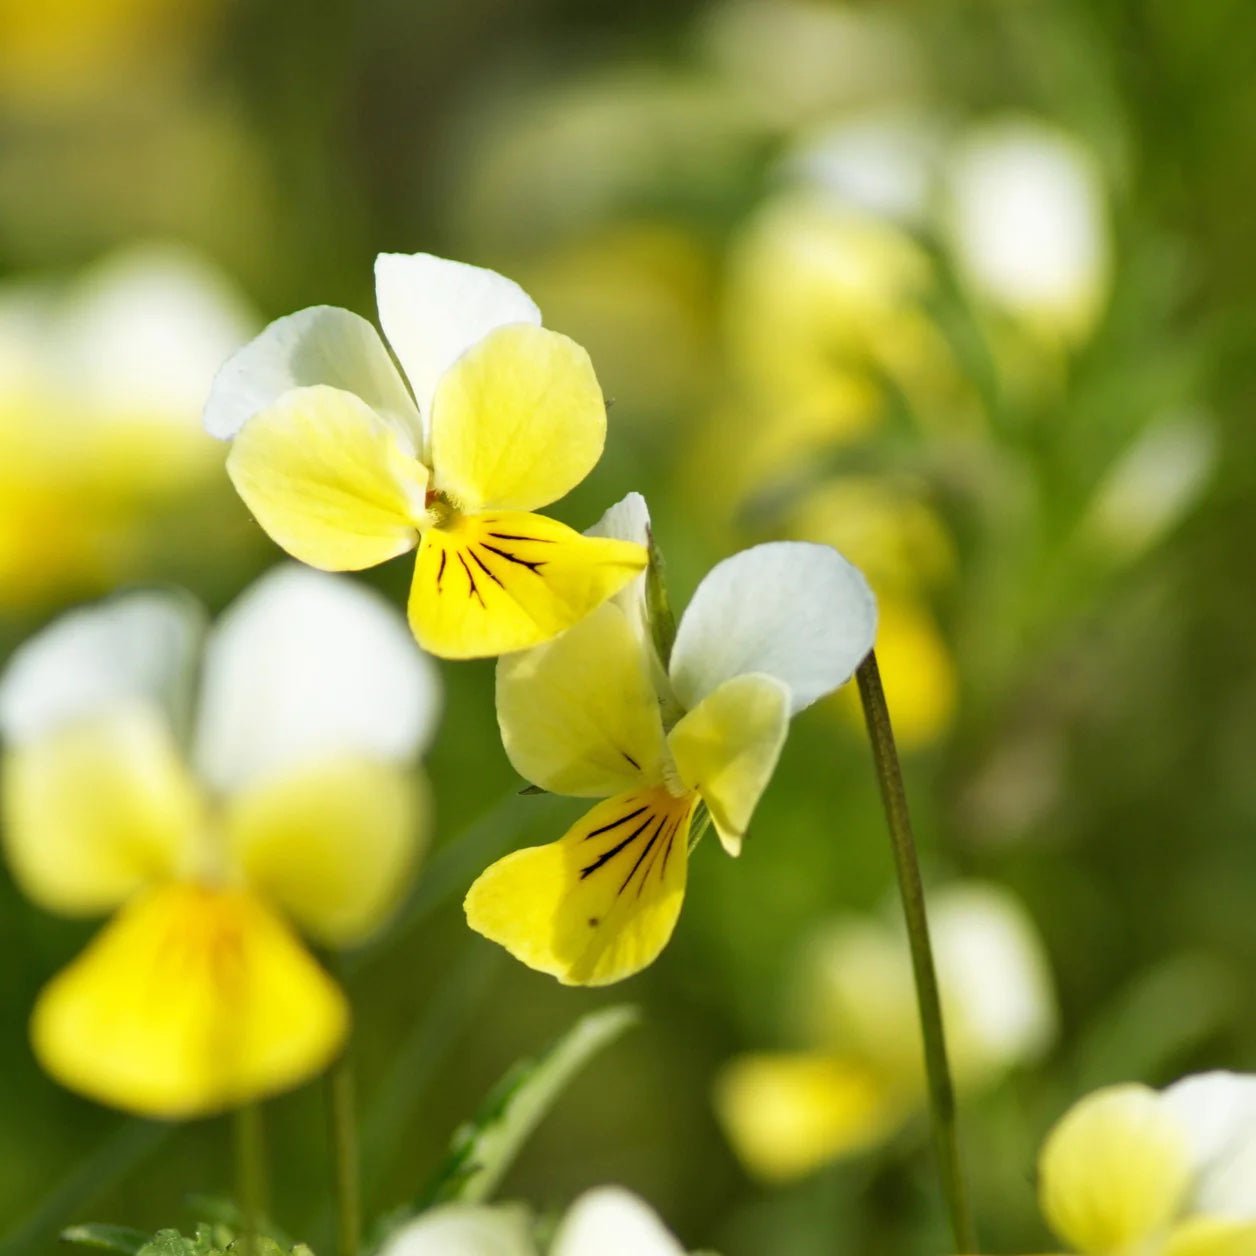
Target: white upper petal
x,y
433,310
137,647
146,329
1218,1112
305,665
996,982
610,1221
465,1230
629,520
794,610
320,345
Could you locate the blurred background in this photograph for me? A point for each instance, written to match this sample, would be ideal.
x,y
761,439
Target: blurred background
x,y
963,287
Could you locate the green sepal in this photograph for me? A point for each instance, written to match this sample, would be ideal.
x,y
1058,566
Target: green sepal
x,y
658,606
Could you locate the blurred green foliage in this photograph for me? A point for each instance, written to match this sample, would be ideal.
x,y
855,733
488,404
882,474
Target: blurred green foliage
x,y
1099,759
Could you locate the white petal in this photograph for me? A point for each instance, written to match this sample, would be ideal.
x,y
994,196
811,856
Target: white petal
x,y
796,611
611,1221
996,983
1028,219
629,520
433,310
321,345
1218,1112
465,1230
306,665
145,331
134,648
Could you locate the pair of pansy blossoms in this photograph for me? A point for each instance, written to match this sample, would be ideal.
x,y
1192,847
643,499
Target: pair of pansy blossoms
x,y
347,463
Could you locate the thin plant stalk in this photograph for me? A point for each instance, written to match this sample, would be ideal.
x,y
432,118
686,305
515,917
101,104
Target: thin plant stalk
x,y
251,1189
907,868
343,1126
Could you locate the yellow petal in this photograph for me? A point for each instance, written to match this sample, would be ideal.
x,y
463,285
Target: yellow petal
x,y
1212,1236
579,715
787,1114
334,843
493,583
727,747
97,809
190,1001
517,422
600,903
329,480
1114,1170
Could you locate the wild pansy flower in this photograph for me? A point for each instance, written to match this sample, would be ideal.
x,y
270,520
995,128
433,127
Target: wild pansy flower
x,y
345,466
293,799
1161,1173
607,1221
861,1074
598,714
101,385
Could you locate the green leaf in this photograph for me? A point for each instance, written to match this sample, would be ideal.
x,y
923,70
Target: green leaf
x,y
105,1238
484,1148
168,1243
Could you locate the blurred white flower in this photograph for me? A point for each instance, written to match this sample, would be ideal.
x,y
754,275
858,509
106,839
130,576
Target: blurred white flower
x,y
1027,220
863,1074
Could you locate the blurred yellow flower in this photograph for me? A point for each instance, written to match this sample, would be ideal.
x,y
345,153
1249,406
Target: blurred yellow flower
x,y
787,1113
100,388
901,545
1168,1173
294,797
64,52
345,467
597,714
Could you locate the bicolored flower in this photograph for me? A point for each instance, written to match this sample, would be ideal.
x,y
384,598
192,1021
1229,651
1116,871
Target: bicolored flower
x,y
347,465
1161,1173
284,796
101,385
861,1075
596,714
607,1221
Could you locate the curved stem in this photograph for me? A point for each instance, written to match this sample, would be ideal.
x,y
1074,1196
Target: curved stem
x,y
343,1122
911,889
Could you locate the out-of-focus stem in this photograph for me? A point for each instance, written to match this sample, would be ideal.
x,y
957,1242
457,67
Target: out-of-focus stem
x,y
250,1154
343,1123
911,889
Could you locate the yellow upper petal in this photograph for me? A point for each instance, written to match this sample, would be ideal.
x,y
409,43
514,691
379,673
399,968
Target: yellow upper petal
x,y
727,747
518,421
579,715
191,1001
787,1114
1114,1171
329,480
334,843
97,809
1212,1236
493,583
600,903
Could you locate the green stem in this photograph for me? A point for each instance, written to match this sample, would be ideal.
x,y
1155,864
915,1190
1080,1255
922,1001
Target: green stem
x,y
250,1153
343,1121
911,889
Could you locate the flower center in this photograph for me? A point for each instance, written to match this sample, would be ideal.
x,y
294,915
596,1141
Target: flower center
x,y
441,512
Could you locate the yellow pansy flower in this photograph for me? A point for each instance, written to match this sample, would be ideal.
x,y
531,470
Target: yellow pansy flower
x,y
596,714
789,1112
293,801
1161,1173
606,1221
101,383
345,466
